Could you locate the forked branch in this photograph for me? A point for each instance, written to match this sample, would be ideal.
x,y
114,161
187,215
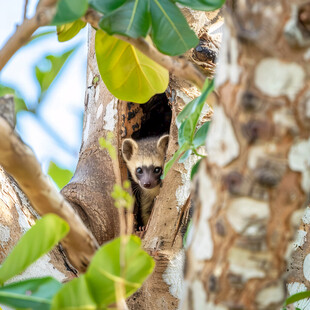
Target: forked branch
x,y
45,12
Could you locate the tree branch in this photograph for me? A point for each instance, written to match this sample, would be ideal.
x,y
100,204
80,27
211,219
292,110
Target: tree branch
x,y
20,162
44,14
178,66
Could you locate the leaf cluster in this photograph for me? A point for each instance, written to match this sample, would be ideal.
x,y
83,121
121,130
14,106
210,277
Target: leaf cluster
x,y
96,289
189,138
128,74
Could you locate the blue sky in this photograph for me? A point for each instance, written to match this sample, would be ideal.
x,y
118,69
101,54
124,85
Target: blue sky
x,y
63,106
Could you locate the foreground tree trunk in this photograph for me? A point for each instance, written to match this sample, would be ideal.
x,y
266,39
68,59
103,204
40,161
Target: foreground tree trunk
x,y
251,189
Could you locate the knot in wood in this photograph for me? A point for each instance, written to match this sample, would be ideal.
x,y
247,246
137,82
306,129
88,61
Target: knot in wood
x,y
255,129
233,181
304,17
267,176
250,102
204,53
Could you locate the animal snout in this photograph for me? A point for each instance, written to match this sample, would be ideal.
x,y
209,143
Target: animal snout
x,y
147,185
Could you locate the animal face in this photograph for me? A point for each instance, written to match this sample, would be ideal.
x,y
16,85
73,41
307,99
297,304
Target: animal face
x,y
145,160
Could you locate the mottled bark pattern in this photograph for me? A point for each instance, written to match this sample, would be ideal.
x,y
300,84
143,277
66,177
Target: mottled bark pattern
x,y
255,181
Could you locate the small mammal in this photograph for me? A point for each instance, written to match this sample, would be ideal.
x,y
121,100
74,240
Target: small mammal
x,y
145,162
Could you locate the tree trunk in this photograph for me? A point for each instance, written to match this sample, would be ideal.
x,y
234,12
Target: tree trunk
x,y
90,188
251,189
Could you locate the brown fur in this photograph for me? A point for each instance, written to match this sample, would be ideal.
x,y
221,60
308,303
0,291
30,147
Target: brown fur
x,y
147,152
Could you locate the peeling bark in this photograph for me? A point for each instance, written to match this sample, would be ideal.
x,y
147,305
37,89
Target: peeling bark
x,y
252,188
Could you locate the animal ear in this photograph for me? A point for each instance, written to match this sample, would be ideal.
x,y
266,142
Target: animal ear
x,y
162,143
129,147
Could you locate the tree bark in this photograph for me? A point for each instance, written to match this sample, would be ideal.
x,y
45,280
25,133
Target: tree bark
x,y
251,189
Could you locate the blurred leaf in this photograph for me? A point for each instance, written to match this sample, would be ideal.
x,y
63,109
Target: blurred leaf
x,y
195,168
75,295
128,74
33,293
200,135
46,77
69,10
297,297
68,31
186,131
202,5
106,6
41,35
104,271
170,31
131,19
185,156
174,158
20,104
184,114
189,109
96,289
38,240
108,145
59,175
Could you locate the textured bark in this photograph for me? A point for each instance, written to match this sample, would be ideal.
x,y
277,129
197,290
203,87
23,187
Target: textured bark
x,y
250,191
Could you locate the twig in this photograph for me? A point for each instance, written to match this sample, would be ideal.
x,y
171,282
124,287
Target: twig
x,y
45,12
178,66
25,9
181,217
20,162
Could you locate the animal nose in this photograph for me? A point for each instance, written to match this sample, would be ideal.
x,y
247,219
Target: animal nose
x,y
147,185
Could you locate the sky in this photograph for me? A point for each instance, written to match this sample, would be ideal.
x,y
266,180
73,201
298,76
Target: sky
x,y
63,106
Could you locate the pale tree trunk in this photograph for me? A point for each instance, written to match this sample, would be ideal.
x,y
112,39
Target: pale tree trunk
x,y
250,191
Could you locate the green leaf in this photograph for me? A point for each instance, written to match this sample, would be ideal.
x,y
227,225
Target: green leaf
x,y
20,104
186,132
38,240
200,135
41,35
60,176
195,168
185,156
106,6
128,74
96,289
170,31
183,115
189,109
174,158
189,227
75,295
69,10
46,77
68,31
104,271
202,5
33,293
297,297
131,19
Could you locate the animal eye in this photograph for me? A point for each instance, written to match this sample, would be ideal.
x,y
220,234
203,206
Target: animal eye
x,y
157,170
139,170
